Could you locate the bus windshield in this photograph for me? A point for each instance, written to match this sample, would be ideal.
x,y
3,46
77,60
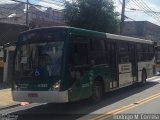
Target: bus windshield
x,y
39,59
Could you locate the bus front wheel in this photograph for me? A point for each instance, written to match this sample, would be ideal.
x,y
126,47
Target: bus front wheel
x,y
97,91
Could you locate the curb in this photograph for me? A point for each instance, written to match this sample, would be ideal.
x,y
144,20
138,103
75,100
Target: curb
x,y
10,106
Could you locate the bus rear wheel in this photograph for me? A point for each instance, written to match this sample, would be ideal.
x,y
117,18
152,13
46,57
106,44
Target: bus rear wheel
x,y
97,91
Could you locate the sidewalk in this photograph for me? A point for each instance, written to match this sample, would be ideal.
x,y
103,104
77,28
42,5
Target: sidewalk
x,y
6,97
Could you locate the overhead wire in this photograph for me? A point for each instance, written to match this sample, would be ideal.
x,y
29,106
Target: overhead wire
x,y
42,6
140,6
125,11
148,8
129,18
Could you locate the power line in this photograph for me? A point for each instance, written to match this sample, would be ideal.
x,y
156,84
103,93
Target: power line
x,y
129,18
141,6
149,9
34,4
139,10
59,3
144,8
157,16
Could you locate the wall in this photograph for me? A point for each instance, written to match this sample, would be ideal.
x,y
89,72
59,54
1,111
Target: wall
x,y
142,29
10,32
7,73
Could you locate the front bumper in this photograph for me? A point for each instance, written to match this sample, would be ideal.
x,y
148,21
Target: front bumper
x,y
41,96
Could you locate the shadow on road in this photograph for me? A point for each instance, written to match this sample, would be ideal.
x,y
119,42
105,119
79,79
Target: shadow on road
x,y
74,110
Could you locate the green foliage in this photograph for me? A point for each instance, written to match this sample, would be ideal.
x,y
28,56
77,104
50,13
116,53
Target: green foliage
x,y
96,15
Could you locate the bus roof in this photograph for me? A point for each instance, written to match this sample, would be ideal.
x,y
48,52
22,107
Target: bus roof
x,y
126,38
96,33
113,36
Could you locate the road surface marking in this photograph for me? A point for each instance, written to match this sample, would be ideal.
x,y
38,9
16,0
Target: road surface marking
x,y
158,79
153,77
125,108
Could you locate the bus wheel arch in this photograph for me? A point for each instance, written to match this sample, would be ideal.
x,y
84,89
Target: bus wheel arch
x,y
98,89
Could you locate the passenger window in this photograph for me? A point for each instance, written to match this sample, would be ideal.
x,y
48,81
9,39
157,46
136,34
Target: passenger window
x,y
123,53
98,51
78,50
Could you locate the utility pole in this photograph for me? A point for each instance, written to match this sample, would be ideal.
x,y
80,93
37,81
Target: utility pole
x,y
122,17
27,13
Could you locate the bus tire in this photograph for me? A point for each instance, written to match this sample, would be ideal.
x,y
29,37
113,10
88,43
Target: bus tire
x,y
144,77
97,91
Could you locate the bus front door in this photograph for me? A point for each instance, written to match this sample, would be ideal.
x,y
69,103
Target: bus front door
x,y
78,71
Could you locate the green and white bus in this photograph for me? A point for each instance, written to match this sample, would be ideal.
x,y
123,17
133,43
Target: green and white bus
x,y
64,64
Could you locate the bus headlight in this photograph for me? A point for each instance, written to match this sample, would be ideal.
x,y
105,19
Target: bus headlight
x,y
56,85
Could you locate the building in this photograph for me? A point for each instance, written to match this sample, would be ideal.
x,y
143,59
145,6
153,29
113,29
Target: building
x,y
142,29
49,17
16,14
6,74
12,13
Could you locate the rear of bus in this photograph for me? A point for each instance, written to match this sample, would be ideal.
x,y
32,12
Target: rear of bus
x,y
39,66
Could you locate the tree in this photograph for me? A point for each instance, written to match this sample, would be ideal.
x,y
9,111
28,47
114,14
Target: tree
x,y
96,15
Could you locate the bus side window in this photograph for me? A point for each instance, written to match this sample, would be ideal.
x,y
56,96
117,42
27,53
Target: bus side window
x,y
123,53
140,52
145,52
98,51
151,52
78,52
78,58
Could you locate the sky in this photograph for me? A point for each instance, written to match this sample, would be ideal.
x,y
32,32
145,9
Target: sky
x,y
138,15
134,15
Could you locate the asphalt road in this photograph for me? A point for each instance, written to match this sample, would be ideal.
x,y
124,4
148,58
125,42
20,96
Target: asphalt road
x,y
130,100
